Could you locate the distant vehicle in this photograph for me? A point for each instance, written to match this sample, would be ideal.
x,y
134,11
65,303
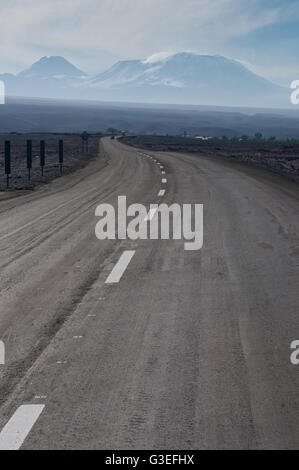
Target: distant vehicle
x,y
203,137
112,137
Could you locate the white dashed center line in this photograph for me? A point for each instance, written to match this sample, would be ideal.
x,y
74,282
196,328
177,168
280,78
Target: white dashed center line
x,y
151,214
18,427
120,267
164,180
161,193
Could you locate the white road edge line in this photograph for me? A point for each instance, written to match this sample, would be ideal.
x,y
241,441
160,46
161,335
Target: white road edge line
x,y
120,267
161,193
18,427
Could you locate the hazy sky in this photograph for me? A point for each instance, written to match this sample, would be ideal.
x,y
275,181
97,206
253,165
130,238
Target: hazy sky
x,y
93,34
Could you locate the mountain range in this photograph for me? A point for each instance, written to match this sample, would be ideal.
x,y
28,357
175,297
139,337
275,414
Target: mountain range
x,y
182,78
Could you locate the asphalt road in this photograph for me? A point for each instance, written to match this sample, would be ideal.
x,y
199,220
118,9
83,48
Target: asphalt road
x,y
188,349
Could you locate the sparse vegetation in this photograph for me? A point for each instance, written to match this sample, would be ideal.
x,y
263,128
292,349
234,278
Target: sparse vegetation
x,y
278,156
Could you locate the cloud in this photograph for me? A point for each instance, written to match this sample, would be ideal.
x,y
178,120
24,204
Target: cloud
x,y
92,32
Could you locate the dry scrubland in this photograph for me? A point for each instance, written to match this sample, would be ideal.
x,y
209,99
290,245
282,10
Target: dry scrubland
x,y
280,157
74,158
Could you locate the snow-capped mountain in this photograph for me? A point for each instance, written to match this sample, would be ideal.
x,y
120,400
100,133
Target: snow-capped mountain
x,y
182,78
183,70
49,77
188,78
52,67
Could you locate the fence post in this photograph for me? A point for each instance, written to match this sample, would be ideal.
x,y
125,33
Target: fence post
x,y
61,154
85,136
7,162
42,156
29,158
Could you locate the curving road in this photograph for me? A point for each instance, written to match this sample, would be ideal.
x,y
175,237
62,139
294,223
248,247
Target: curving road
x,y
185,350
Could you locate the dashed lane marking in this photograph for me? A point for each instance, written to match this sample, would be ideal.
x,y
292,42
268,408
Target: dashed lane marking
x,y
18,427
120,267
151,214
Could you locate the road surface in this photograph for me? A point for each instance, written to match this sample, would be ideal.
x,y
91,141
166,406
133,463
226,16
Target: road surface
x,y
185,349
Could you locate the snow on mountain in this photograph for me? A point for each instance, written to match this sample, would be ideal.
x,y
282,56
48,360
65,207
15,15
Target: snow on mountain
x,y
188,78
52,67
181,78
180,70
